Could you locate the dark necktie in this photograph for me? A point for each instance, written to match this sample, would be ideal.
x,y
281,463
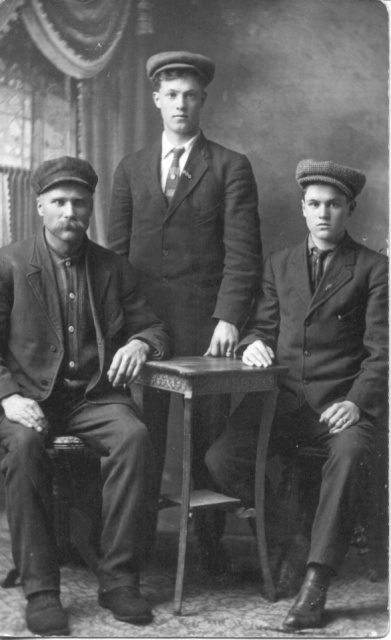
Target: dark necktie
x,y
173,173
317,266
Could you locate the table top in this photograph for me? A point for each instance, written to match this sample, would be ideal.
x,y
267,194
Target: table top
x,y
200,365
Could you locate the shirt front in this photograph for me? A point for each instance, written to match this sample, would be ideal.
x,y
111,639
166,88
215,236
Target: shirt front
x,y
166,159
81,358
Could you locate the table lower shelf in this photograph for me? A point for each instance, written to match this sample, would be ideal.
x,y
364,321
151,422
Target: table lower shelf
x,y
199,499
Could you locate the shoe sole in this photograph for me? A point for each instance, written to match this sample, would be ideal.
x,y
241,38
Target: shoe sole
x,y
48,634
130,619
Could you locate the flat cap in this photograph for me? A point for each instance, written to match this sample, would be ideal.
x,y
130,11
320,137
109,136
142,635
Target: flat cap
x,y
64,169
204,66
350,181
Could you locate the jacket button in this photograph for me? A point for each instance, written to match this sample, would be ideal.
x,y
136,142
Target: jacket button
x,y
165,252
305,381
52,348
307,353
165,280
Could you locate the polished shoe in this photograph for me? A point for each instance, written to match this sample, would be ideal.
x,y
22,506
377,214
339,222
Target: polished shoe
x,y
308,608
292,567
127,604
45,615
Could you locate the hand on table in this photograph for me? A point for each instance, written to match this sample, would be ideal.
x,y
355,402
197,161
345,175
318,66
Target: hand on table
x,y
258,354
224,340
127,363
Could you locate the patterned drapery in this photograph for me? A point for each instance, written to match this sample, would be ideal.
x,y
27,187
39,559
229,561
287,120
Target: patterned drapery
x,y
78,36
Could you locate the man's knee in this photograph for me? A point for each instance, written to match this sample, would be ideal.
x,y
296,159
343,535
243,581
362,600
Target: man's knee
x,y
215,459
25,449
351,447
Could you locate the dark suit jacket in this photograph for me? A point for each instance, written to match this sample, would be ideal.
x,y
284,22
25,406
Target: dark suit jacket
x,y
334,343
31,332
199,258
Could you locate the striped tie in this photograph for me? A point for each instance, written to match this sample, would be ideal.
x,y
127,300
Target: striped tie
x,y
173,173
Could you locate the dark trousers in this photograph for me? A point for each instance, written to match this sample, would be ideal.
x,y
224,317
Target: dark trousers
x,y
231,462
122,441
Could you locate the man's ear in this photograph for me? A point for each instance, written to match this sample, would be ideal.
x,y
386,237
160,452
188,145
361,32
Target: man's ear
x,y
303,208
39,207
156,99
352,207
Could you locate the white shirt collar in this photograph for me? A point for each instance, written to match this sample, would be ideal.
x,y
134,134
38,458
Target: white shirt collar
x,y
167,147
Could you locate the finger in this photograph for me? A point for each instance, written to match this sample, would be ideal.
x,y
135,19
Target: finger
x,y
263,356
337,419
214,348
136,371
120,376
254,360
338,428
114,367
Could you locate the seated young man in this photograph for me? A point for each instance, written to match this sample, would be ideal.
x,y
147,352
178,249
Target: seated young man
x,y
322,313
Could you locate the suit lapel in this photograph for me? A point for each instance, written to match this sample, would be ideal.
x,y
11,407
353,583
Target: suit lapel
x,y
150,170
298,274
195,168
42,281
338,273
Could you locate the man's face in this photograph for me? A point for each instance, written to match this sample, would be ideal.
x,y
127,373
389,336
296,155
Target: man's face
x,y
180,101
326,210
66,210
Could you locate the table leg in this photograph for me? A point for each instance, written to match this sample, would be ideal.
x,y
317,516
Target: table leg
x,y
186,481
269,405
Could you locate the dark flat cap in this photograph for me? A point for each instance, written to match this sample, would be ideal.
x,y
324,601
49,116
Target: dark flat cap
x,y
64,169
350,181
181,60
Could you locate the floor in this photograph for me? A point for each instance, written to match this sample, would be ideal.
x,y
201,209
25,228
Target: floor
x,y
230,606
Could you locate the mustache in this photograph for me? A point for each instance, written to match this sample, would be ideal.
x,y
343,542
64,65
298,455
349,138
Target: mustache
x,y
71,225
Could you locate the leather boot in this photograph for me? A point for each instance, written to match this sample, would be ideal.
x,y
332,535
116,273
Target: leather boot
x,y
308,608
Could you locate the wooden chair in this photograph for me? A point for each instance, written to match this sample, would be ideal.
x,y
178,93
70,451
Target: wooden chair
x,y
75,505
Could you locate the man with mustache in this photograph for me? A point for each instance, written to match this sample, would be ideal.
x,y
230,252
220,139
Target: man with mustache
x,y
322,312
184,211
74,333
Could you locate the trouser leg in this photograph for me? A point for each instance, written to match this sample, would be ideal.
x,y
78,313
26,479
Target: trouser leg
x,y
231,462
156,405
342,476
28,500
210,414
125,448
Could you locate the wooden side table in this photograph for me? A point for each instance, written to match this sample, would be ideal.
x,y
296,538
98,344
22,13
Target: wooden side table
x,y
194,376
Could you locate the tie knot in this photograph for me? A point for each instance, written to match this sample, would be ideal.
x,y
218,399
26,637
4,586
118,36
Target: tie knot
x,y
320,253
177,152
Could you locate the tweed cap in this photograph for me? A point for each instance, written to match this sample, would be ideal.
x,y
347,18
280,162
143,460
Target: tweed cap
x,y
350,181
204,66
64,169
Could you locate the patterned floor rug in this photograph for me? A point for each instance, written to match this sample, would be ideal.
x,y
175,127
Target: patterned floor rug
x,y
231,606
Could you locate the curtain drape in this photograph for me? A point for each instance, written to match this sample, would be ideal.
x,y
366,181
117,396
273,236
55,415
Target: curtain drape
x,y
5,208
19,217
78,36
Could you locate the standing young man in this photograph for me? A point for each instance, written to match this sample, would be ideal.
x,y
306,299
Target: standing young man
x,y
322,312
184,210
